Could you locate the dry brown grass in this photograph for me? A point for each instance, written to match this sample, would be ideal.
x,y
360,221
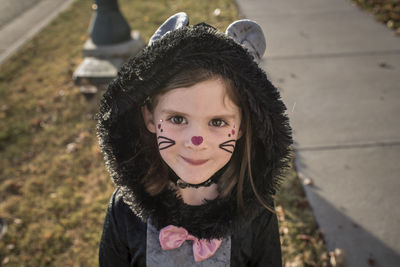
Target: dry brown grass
x,y
385,11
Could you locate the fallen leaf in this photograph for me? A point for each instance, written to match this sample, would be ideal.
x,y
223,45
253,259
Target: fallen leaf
x,y
337,257
71,147
47,235
36,122
280,213
285,230
304,237
308,181
296,262
5,260
82,137
4,108
217,12
390,24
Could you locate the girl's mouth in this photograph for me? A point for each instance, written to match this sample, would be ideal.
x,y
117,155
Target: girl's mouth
x,y
194,162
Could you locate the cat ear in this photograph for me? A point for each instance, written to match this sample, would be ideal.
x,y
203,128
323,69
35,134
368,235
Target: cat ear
x,y
179,20
250,35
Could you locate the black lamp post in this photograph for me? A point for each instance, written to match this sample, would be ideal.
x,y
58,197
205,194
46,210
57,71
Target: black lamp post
x,y
108,26
111,42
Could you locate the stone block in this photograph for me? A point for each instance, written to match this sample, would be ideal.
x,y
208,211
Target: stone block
x,y
97,71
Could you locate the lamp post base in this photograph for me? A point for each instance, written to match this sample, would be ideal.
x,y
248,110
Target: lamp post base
x,y
97,71
124,49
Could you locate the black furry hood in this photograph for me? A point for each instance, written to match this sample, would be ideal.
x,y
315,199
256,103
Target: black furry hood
x,y
192,47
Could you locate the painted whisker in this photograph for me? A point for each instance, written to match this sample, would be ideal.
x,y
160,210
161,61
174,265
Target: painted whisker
x,y
165,143
228,146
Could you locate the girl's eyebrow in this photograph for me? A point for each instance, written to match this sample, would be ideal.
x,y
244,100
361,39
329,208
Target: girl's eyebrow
x,y
171,111
224,116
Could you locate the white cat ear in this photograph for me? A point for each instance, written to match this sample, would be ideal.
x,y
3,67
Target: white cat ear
x,y
250,35
179,20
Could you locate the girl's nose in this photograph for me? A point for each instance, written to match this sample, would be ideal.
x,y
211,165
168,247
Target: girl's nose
x,y
195,137
196,140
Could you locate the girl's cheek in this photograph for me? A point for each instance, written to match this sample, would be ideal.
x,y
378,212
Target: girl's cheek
x,y
225,139
173,135
226,133
166,138
163,129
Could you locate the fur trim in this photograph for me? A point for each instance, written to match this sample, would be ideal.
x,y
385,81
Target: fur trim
x,y
192,47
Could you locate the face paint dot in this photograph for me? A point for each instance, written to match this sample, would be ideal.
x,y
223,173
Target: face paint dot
x,y
159,126
162,130
229,135
233,132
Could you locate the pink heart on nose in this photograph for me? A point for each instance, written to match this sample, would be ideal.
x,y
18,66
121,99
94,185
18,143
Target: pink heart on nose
x,y
197,140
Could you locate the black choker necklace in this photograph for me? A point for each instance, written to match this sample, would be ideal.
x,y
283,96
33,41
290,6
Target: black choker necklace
x,y
182,184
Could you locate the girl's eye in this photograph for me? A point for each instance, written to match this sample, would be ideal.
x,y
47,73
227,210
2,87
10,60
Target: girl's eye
x,y
177,120
217,123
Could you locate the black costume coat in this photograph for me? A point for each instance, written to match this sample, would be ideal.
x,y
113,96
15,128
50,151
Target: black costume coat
x,y
124,239
254,237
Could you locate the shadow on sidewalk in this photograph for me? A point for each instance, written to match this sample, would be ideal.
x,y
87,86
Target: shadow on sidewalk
x,y
361,247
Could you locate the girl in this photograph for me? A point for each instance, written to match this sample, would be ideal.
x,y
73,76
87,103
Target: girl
x,y
195,138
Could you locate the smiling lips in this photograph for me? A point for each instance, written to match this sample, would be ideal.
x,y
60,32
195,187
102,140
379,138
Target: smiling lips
x,y
195,162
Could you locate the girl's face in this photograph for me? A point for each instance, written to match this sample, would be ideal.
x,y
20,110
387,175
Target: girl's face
x,y
196,129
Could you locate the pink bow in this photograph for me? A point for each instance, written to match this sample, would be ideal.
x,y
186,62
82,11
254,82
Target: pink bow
x,y
172,237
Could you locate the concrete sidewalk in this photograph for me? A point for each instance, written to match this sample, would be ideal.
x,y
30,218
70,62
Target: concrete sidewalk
x,y
339,74
25,19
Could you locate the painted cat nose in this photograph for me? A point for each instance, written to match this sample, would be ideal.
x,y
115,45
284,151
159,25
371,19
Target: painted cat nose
x,y
197,140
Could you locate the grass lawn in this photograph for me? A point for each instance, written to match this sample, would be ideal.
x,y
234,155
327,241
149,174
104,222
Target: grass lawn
x,y
54,188
385,11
